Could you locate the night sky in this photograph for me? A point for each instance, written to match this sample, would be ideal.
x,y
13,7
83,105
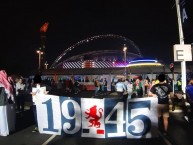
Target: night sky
x,y
151,24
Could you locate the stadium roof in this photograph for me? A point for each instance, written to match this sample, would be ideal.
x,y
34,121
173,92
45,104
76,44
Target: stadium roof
x,y
107,47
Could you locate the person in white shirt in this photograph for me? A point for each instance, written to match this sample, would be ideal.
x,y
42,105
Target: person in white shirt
x,y
129,89
120,88
37,88
20,95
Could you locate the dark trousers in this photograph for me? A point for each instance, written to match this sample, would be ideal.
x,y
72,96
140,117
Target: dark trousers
x,y
105,90
120,95
35,115
20,99
145,90
191,112
140,92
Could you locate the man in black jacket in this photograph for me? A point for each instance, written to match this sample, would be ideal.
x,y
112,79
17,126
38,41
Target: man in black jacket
x,y
161,91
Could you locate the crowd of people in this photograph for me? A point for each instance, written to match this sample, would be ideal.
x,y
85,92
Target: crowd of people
x,y
139,87
15,90
162,88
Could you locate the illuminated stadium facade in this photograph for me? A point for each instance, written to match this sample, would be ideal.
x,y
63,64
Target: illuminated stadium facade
x,y
104,54
102,51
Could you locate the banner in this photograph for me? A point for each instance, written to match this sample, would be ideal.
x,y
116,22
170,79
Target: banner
x,y
142,119
71,116
115,120
92,118
97,118
186,17
49,114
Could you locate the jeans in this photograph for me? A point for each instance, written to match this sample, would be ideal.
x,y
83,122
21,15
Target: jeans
x,y
96,90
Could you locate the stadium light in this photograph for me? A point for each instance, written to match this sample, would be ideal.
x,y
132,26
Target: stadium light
x,y
125,53
39,52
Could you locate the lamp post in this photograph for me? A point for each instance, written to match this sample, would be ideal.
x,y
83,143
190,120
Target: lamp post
x,y
39,52
181,38
125,57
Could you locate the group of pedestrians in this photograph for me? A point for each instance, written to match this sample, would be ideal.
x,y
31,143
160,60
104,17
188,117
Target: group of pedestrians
x,y
158,88
132,88
100,86
162,90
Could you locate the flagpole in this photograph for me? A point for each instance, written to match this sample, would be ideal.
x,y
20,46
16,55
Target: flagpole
x,y
43,31
181,37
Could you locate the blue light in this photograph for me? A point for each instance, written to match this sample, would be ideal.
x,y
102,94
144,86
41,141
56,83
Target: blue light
x,y
143,60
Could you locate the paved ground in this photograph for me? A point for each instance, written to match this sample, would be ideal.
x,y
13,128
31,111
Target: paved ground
x,y
180,132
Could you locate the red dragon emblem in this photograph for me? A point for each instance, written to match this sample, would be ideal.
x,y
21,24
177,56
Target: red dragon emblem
x,y
93,117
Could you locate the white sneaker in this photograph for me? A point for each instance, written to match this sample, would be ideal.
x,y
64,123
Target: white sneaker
x,y
35,129
186,118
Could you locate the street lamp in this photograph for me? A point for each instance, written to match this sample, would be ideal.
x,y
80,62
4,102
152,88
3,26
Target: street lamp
x,y
125,57
39,52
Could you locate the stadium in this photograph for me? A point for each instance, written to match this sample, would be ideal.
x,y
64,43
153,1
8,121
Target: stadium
x,y
104,54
